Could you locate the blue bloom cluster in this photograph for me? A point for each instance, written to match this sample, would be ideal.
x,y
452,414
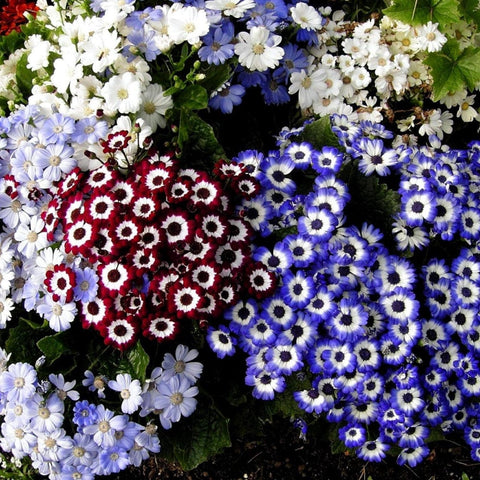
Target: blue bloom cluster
x,y
381,325
68,434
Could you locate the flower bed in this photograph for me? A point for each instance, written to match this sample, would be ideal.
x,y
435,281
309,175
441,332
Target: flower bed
x,y
210,206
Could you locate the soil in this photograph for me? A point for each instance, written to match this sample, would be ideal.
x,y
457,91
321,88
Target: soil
x,y
277,453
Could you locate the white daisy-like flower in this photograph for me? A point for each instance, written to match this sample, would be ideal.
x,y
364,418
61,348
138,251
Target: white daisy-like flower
x,y
428,38
309,86
31,237
154,106
188,24
231,8
40,50
306,16
6,309
258,49
100,50
59,314
130,391
122,93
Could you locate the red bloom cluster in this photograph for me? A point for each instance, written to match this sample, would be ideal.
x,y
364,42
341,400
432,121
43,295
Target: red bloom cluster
x,y
12,15
165,243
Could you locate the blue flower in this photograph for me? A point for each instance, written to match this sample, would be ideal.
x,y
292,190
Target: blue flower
x,y
303,249
338,357
413,436
310,400
227,97
217,47
241,314
348,323
113,460
373,451
297,289
84,413
352,435
328,160
294,59
418,208
274,174
317,223
176,398
283,359
221,341
279,312
273,89
57,128
412,456
265,384
374,157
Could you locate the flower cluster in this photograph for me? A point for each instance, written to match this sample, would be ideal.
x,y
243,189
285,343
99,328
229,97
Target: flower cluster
x,y
343,263
13,15
68,434
363,334
128,254
328,64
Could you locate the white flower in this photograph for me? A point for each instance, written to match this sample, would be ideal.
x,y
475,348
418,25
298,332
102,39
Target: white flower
x,y
122,93
100,50
258,50
154,106
466,111
6,309
437,123
40,50
308,85
306,16
31,237
429,38
67,70
188,24
59,314
130,392
231,8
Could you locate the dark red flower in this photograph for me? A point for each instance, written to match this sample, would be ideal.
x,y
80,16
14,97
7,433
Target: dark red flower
x,y
12,15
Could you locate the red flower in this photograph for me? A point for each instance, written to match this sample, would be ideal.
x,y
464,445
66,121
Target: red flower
x,y
12,15
115,142
160,327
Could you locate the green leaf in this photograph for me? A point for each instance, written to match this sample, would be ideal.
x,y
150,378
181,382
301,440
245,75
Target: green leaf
x,y
139,360
24,75
216,76
194,97
202,139
419,12
469,10
9,43
372,201
199,437
453,69
53,346
319,134
22,342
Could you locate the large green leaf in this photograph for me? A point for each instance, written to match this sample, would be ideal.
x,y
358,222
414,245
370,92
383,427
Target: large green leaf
x,y
193,97
22,342
53,346
453,69
139,361
198,438
319,134
419,12
24,75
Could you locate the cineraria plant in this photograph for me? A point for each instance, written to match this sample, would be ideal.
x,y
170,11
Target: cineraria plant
x,y
147,217
374,320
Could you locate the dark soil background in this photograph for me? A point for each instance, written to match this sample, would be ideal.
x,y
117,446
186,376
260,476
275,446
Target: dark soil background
x,y
278,453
